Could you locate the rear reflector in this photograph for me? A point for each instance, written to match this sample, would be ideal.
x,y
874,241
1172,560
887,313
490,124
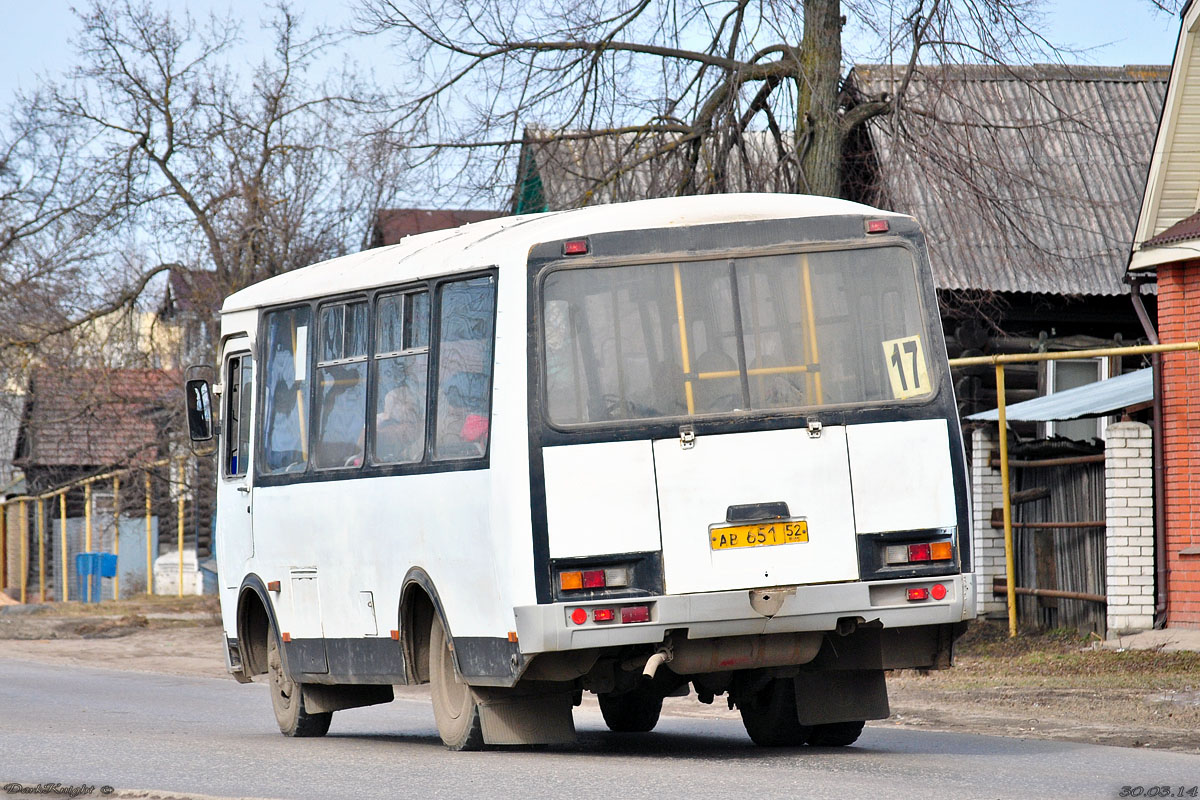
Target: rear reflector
x,y
603,615
918,594
938,592
579,616
575,247
877,226
635,614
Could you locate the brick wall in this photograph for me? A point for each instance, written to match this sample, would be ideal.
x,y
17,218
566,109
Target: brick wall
x,y
987,542
1179,321
1129,510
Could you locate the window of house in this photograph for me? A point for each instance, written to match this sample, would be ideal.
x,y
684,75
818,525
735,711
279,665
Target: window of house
x,y
1070,374
285,392
465,333
401,377
341,377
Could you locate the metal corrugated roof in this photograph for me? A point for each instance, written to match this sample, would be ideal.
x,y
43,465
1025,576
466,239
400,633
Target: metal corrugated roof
x,y
1026,179
1092,400
1182,231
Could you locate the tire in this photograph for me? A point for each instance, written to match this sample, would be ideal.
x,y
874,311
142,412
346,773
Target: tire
x,y
769,715
632,712
287,698
835,734
455,703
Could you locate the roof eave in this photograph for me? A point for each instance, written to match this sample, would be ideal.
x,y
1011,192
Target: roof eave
x,y
1152,257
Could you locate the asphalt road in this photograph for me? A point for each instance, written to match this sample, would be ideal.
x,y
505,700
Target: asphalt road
x,y
214,737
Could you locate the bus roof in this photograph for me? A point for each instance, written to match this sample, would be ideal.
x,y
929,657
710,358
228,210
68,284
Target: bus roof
x,y
476,245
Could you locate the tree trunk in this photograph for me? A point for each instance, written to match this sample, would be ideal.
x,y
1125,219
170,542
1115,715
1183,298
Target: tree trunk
x,y
819,138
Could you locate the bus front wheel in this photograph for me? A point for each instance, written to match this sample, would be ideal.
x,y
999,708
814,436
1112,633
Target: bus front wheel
x,y
287,698
455,704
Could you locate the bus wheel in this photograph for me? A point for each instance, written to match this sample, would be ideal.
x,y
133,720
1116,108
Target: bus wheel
x,y
632,712
455,704
287,698
835,734
769,715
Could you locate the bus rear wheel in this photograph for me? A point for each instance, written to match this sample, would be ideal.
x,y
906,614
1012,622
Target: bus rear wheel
x,y
632,712
287,698
835,734
455,703
769,715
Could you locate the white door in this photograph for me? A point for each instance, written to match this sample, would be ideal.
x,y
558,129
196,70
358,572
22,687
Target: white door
x,y
706,543
235,531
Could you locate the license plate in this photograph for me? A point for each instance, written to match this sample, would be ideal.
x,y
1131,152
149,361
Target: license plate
x,y
760,534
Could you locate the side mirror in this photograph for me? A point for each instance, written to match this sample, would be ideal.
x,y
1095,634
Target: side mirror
x,y
199,410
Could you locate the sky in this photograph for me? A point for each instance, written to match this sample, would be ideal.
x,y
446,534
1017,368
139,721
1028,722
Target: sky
x,y
36,33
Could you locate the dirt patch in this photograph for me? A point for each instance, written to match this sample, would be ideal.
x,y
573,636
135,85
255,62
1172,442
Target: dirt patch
x,y
1056,685
106,620
1048,686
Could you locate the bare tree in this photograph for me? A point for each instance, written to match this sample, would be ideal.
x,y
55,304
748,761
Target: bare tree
x,y
159,149
685,76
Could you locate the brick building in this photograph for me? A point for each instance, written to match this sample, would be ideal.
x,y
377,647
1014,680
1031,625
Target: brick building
x,y
1166,244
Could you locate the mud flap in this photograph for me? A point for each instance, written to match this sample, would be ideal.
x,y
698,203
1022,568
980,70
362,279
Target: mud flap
x,y
852,695
510,716
319,698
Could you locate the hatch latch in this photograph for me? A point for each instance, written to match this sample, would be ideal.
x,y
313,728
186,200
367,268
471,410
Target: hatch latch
x,y
687,437
814,428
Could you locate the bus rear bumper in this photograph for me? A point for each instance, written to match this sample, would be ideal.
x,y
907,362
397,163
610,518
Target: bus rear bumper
x,y
552,628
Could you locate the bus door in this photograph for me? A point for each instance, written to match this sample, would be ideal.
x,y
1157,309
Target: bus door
x,y
235,535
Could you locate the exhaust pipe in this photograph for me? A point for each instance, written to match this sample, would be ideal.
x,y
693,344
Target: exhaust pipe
x,y
695,656
654,662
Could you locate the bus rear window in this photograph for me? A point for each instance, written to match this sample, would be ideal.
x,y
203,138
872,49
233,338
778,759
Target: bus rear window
x,y
761,333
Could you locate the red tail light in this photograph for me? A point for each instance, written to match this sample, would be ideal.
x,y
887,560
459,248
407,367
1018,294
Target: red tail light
x,y
919,593
593,579
603,615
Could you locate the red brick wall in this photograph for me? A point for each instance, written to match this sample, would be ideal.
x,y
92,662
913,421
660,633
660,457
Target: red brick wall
x,y
1179,321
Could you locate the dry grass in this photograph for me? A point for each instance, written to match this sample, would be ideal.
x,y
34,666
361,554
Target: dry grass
x,y
142,604
986,656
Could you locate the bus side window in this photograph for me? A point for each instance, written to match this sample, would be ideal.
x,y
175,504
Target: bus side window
x,y
341,375
237,415
465,368
401,376
285,392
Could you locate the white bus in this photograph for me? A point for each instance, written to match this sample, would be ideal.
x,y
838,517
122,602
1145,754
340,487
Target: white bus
x,y
704,445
